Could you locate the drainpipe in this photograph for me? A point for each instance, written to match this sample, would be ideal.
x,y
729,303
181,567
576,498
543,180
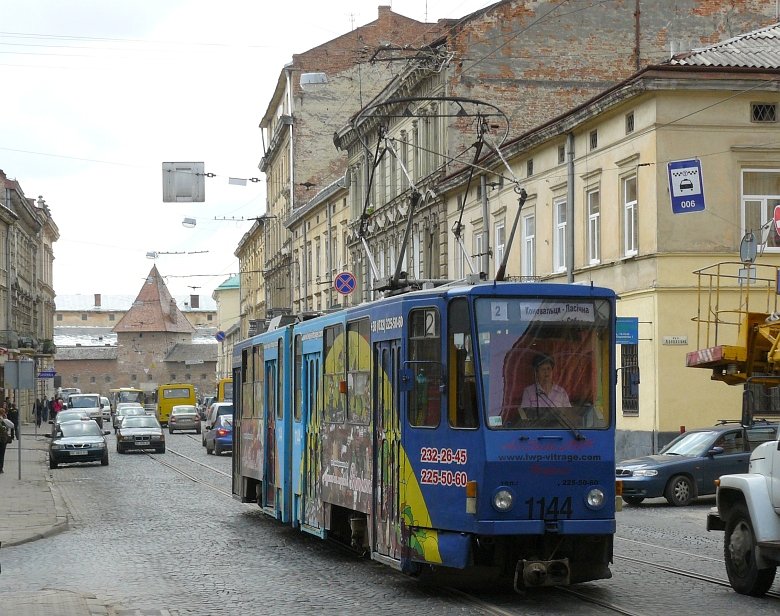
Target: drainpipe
x,y
570,208
485,228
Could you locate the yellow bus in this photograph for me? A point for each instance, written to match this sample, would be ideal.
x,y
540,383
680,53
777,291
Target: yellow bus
x,y
224,390
170,395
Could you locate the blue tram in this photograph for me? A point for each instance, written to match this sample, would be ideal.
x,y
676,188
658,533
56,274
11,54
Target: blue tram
x,y
463,428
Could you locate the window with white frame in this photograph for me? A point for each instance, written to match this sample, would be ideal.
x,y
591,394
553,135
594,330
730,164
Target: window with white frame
x,y
478,244
528,263
593,199
459,260
559,235
760,195
630,244
500,242
317,259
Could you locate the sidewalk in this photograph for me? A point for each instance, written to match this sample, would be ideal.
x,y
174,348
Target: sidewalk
x,y
31,508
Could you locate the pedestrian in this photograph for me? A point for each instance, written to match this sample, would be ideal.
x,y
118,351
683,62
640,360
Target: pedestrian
x,y
57,406
45,406
38,410
13,416
6,426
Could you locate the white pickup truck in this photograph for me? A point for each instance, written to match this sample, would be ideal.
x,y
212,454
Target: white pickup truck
x,y
748,510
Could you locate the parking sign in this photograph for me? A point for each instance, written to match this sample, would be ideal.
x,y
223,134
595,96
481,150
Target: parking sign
x,y
685,186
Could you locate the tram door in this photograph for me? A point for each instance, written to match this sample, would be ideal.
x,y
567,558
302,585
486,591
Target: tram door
x,y
271,376
312,499
387,447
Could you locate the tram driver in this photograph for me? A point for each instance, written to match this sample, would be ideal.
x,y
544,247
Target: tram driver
x,y
543,392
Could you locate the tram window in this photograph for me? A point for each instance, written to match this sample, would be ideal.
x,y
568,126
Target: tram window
x,y
298,399
278,364
358,371
424,401
462,383
333,373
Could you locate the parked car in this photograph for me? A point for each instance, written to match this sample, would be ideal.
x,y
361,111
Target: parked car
x,y
184,417
215,410
125,410
87,402
219,438
78,441
688,466
106,404
64,416
140,432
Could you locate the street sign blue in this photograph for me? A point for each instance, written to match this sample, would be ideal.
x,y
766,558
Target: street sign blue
x,y
345,283
47,374
686,186
627,330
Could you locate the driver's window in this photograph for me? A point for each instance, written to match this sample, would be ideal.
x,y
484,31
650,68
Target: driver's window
x,y
425,361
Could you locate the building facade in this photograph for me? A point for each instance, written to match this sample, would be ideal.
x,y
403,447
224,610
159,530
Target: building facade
x,y
27,236
313,95
227,297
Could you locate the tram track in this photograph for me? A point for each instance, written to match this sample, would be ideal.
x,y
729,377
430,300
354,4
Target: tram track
x,y
679,571
157,458
686,573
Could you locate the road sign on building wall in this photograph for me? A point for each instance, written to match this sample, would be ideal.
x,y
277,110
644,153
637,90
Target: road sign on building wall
x,y
686,186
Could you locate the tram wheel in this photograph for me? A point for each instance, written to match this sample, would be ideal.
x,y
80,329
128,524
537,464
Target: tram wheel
x,y
739,551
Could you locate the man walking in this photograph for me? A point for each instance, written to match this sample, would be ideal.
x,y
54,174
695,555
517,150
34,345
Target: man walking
x,y
13,416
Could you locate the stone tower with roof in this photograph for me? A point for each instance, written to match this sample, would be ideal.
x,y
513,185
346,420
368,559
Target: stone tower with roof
x,y
154,341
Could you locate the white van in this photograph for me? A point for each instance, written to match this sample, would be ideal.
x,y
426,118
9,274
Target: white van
x,y
88,402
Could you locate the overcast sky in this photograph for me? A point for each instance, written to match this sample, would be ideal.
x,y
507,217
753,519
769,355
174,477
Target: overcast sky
x,y
97,94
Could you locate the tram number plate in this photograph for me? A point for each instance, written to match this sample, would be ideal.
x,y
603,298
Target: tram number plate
x,y
78,453
547,508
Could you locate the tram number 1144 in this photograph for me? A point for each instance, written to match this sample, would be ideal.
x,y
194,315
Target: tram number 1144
x,y
542,508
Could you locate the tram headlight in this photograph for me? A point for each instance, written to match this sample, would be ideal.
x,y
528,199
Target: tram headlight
x,y
595,498
503,500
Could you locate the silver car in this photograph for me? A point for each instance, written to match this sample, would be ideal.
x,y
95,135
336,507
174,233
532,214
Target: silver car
x,y
123,411
184,417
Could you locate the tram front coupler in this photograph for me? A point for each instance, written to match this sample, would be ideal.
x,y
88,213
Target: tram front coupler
x,y
537,573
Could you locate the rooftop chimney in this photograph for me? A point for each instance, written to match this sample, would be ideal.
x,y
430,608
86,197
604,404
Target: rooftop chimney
x,y
195,301
97,300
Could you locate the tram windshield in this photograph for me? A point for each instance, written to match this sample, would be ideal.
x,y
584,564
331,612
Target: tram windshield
x,y
544,363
